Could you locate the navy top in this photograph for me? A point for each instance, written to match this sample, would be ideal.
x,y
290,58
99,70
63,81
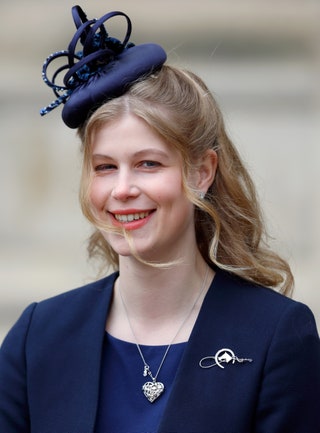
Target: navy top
x,y
123,408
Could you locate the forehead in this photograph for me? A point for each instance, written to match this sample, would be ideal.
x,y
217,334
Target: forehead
x,y
129,134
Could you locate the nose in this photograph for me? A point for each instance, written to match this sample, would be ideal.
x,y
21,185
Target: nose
x,y
124,186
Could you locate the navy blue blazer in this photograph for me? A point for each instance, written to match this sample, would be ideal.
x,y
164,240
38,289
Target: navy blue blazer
x,y
50,364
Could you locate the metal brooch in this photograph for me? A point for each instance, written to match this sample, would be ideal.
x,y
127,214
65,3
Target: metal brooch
x,y
223,356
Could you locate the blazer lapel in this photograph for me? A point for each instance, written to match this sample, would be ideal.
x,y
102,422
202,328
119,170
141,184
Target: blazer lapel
x,y
199,396
64,359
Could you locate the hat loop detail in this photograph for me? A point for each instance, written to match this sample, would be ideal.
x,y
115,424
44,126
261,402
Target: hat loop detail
x,y
103,58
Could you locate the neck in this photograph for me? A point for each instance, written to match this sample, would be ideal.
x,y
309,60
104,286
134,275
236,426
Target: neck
x,y
158,301
149,288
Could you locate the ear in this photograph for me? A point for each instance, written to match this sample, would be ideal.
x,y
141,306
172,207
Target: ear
x,y
206,171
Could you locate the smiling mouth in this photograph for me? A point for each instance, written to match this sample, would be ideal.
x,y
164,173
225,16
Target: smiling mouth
x,y
131,216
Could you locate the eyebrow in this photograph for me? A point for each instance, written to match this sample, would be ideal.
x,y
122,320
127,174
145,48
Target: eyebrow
x,y
140,153
152,151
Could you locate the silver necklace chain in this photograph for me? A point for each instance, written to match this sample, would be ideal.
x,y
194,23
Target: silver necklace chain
x,y
152,390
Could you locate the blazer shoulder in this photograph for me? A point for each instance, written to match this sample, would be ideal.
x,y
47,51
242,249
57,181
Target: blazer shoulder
x,y
80,294
254,304
76,302
70,307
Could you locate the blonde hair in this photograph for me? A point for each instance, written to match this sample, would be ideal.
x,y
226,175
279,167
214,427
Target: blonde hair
x,y
229,226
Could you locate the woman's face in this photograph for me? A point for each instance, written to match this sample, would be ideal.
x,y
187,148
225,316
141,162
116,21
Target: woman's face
x,y
137,185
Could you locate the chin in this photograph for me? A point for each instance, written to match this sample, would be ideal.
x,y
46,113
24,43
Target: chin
x,y
121,246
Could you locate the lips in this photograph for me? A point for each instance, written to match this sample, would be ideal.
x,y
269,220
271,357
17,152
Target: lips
x,y
129,217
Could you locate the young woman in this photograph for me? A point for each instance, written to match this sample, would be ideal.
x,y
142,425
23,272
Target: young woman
x,y
189,333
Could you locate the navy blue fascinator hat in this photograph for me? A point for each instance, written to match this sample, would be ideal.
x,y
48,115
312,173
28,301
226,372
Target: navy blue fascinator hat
x,y
102,70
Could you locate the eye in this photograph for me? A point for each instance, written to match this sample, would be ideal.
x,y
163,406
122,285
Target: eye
x,y
104,167
150,164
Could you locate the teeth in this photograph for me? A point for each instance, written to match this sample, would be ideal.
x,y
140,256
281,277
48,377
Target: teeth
x,y
131,217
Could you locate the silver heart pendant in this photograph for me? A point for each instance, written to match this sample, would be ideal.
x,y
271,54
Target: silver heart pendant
x,y
153,390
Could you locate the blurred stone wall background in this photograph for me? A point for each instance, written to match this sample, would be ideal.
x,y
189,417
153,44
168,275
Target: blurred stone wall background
x,y
262,61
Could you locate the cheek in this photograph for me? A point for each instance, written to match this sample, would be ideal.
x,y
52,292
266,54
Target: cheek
x,y
172,199
98,194
170,188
